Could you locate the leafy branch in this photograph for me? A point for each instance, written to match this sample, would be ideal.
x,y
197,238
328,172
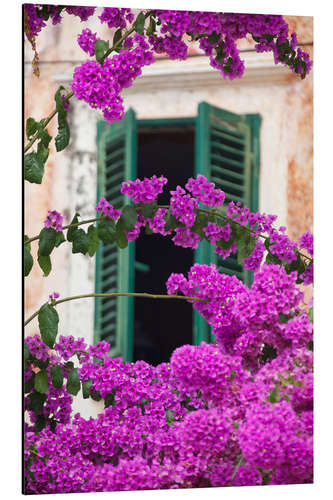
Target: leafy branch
x,y
111,295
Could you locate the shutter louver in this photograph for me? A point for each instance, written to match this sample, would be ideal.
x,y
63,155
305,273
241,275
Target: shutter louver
x,y
115,267
224,154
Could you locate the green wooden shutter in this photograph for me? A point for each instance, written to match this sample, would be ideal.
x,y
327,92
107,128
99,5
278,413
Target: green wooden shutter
x,y
227,153
117,153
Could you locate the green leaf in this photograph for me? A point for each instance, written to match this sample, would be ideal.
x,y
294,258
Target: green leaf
x,y
93,240
41,382
43,135
96,396
109,400
28,261
152,27
72,230
48,320
272,259
42,152
148,209
80,242
213,38
274,395
101,46
63,136
86,386
33,168
27,245
73,382
60,103
106,230
60,238
121,236
31,127
26,352
171,222
139,23
117,36
40,423
245,245
310,314
29,384
47,239
57,376
128,218
36,401
169,417
44,263
283,318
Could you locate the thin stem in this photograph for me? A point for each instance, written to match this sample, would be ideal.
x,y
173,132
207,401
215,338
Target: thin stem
x,y
68,226
46,122
239,463
117,294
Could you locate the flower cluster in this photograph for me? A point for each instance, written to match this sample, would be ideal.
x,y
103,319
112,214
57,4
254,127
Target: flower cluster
x,y
100,84
116,18
87,40
204,419
205,191
104,207
145,191
54,219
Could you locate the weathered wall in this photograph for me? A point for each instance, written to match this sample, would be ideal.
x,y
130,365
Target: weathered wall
x,y
166,89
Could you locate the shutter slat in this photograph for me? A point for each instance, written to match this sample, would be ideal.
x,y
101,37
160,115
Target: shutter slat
x,y
228,161
224,134
223,155
227,149
223,173
115,267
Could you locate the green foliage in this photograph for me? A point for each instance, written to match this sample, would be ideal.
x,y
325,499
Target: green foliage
x,y
73,382
44,262
169,417
31,127
80,242
71,230
86,386
121,238
245,245
60,238
101,46
26,352
28,261
106,230
41,382
128,218
139,23
148,209
152,26
29,384
109,400
116,37
93,240
47,240
36,401
63,136
33,168
48,320
57,376
310,314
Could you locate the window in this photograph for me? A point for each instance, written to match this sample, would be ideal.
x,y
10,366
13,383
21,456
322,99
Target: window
x,y
221,145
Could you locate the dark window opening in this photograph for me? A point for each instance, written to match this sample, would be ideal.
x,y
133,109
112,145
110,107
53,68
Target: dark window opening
x,y
161,325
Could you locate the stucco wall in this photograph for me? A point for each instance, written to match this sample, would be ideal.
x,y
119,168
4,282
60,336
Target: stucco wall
x,y
166,89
